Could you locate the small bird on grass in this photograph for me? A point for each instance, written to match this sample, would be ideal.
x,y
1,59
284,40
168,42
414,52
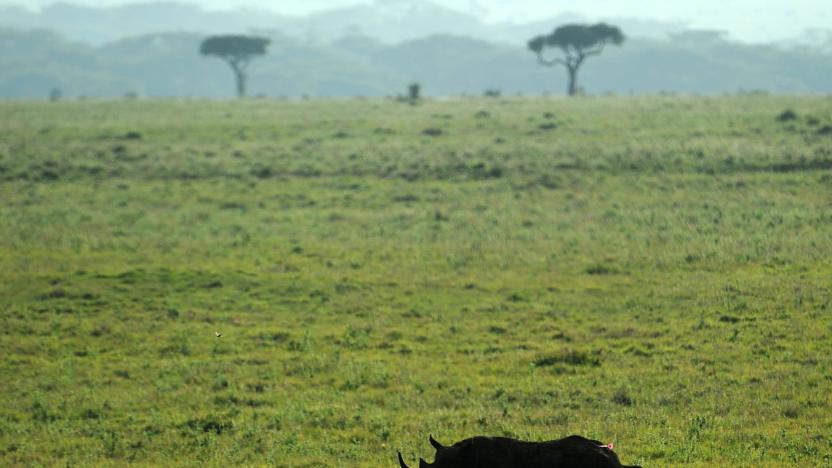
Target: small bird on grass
x,y
219,335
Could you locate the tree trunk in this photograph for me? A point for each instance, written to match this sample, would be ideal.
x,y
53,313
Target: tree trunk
x,y
573,81
240,76
241,83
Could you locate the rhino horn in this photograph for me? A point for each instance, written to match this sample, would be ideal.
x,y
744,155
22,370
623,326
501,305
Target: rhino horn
x,y
435,444
401,461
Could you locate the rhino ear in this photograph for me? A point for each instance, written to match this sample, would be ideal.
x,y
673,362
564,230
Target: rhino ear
x,y
435,444
401,461
423,463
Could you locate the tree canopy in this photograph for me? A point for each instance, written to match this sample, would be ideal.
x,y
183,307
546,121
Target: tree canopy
x,y
582,38
234,46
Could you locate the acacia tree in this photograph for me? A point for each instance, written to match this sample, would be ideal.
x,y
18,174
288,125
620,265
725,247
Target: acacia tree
x,y
577,42
237,51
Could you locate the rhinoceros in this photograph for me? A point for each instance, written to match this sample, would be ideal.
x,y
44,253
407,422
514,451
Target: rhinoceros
x,y
502,452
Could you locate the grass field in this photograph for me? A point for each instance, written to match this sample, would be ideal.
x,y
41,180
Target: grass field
x,y
654,272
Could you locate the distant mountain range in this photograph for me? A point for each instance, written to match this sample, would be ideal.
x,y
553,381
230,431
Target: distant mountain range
x,y
152,50
33,63
389,21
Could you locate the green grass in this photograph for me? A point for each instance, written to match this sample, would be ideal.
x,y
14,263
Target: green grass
x,y
653,272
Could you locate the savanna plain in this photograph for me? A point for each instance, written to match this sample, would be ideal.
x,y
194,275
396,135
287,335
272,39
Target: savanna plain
x,y
649,271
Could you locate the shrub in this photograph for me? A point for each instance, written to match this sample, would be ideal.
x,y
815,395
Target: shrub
x,y
414,91
787,115
567,356
621,397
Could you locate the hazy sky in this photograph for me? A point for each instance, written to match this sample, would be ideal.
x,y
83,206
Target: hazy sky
x,y
748,20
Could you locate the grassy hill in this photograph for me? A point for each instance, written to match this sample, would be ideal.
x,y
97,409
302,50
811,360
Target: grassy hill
x,y
652,272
